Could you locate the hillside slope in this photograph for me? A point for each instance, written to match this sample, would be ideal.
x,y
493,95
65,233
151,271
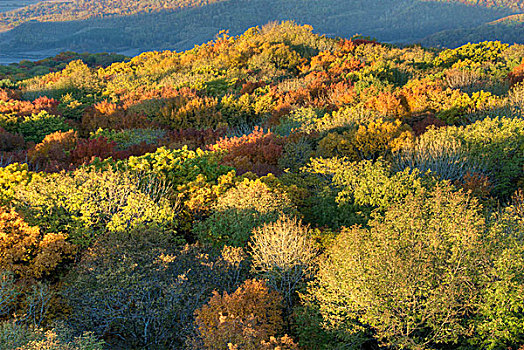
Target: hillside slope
x,y
508,29
402,21
68,10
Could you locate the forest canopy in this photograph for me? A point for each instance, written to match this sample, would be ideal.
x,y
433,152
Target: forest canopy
x,y
276,189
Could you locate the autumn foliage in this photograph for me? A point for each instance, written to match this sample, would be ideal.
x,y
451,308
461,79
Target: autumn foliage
x,y
243,319
272,190
27,251
258,151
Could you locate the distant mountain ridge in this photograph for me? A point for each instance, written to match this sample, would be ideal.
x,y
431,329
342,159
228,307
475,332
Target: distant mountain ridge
x,y
514,5
133,26
67,10
507,29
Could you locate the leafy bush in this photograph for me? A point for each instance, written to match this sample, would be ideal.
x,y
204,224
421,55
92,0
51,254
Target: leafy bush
x,y
75,79
54,152
177,167
87,203
193,138
516,99
11,176
412,279
490,146
296,153
14,336
479,52
86,151
366,141
241,209
244,318
35,127
196,112
517,74
436,151
257,152
10,142
500,322
302,119
27,251
127,138
283,253
140,292
368,183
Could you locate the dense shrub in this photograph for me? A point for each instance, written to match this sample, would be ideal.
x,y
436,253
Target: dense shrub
x,y
107,115
14,336
54,152
490,146
11,176
516,99
178,167
195,112
87,203
36,126
244,318
10,142
193,138
257,152
27,251
500,322
241,209
367,141
283,253
412,279
302,119
86,151
129,137
296,153
76,78
517,74
369,183
138,291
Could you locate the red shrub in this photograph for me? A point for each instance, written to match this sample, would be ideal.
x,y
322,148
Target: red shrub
x,y
280,110
10,142
193,138
517,74
257,152
107,115
53,153
25,108
420,126
477,183
250,87
143,96
341,93
87,150
48,104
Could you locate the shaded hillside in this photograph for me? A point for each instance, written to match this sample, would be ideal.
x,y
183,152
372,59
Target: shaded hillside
x,y
508,29
68,10
387,20
515,5
10,5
